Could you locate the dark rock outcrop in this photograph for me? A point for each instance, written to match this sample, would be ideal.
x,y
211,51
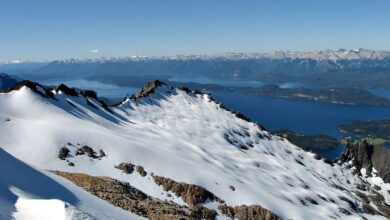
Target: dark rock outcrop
x,y
86,150
35,87
63,153
191,194
127,168
141,171
102,153
244,212
253,212
66,90
149,88
89,93
365,155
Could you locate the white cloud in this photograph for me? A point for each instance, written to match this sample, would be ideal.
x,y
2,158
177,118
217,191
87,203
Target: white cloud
x,y
95,51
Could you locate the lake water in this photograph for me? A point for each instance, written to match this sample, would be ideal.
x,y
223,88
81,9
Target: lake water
x,y
103,89
300,116
205,80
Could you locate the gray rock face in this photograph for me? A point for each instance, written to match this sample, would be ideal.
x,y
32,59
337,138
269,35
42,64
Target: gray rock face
x,y
365,155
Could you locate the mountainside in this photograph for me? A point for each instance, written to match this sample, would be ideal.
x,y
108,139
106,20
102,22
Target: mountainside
x,y
182,147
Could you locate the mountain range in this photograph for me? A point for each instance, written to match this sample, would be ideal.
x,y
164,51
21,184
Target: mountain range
x,y
361,68
168,153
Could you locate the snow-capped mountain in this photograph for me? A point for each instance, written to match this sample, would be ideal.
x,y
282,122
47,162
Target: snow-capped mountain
x,y
178,148
341,54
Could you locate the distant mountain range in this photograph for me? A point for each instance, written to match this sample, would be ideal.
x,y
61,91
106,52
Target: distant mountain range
x,y
341,68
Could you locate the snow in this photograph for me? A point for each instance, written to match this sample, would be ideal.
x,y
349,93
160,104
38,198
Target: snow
x,y
28,193
177,135
39,209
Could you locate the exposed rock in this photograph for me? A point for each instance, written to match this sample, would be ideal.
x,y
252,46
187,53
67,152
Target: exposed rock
x,y
317,157
86,150
344,211
253,212
227,210
365,155
102,153
89,93
66,90
149,88
369,209
127,168
191,194
381,204
350,203
141,171
244,212
63,153
363,197
125,196
35,87
312,201
376,187
71,164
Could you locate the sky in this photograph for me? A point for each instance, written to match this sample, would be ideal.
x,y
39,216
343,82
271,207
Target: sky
x,y
61,29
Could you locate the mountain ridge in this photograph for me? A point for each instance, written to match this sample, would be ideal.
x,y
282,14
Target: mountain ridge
x,y
188,138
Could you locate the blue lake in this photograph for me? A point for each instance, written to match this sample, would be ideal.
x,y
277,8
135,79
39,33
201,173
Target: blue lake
x,y
301,116
103,89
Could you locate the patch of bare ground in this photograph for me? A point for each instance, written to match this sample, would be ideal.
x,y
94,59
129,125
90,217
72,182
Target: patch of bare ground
x,y
244,212
123,195
191,194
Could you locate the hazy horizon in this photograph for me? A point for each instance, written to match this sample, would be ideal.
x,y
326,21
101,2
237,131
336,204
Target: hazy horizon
x,y
56,30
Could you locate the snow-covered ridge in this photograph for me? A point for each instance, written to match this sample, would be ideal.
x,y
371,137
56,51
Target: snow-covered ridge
x,y
187,137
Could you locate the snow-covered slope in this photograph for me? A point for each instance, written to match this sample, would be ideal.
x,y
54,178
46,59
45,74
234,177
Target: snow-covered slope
x,y
184,136
28,193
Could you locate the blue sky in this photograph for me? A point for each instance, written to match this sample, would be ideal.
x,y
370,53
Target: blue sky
x,y
59,29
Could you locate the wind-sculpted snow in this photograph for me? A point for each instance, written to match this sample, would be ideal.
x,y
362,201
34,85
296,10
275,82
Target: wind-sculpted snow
x,y
186,137
27,193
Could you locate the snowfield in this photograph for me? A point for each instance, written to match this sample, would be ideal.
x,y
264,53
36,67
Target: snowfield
x,y
172,133
28,194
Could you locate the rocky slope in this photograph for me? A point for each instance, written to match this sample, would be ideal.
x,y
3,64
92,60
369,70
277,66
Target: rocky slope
x,y
374,159
178,146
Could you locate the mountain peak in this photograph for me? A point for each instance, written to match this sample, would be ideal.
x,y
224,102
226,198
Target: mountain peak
x,y
149,88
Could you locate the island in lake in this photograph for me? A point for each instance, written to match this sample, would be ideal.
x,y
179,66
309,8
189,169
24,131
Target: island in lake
x,y
374,131
309,142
